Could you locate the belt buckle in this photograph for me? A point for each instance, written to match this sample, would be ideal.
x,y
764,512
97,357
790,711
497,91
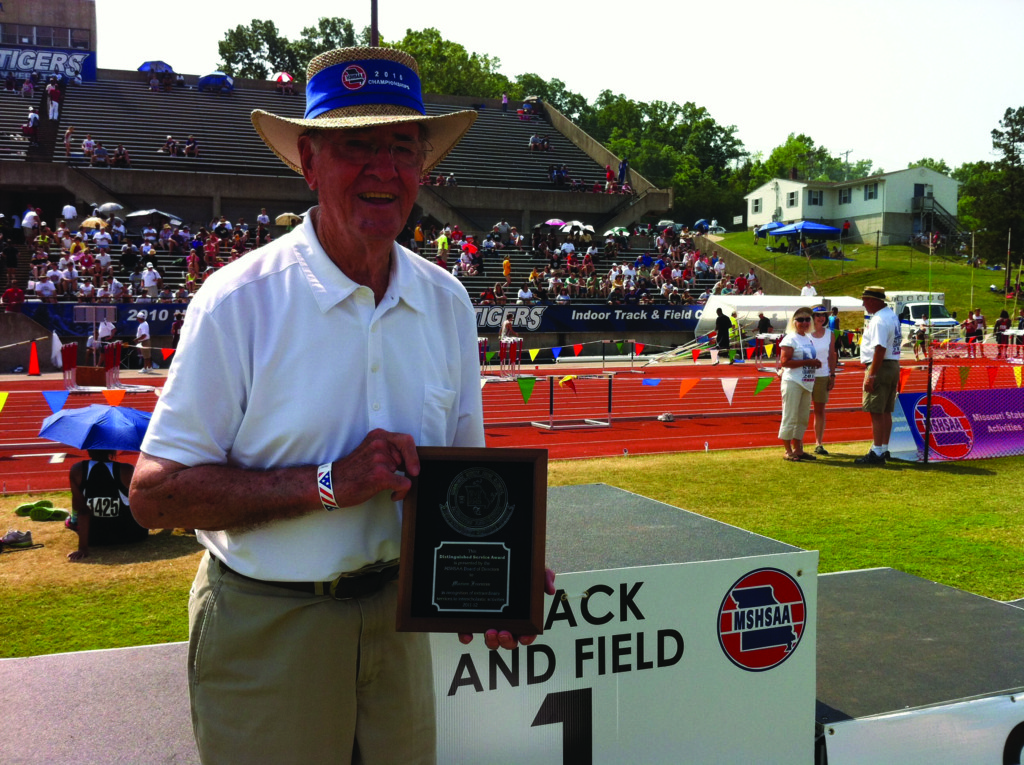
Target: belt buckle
x,y
333,589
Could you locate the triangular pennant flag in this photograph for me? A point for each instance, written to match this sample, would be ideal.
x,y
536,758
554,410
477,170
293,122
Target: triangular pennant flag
x,y
992,372
578,348
654,381
56,357
3,394
769,348
696,354
732,354
555,352
533,353
619,344
762,383
714,355
483,382
114,397
1016,376
750,353
638,348
489,356
160,391
964,371
526,387
936,375
56,399
167,352
904,374
568,382
729,387
685,386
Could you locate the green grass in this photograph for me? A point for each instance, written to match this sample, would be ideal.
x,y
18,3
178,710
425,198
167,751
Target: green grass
x,y
959,524
899,268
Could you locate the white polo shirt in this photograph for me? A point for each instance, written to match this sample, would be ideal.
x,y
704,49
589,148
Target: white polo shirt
x,y
285,361
883,329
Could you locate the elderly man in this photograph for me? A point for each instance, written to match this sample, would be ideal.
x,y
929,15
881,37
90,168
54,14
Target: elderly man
x,y
880,352
294,464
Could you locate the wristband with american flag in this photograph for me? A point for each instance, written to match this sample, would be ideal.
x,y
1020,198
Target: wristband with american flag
x,y
326,487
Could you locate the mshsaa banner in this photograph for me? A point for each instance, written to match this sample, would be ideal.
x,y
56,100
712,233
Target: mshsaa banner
x,y
965,425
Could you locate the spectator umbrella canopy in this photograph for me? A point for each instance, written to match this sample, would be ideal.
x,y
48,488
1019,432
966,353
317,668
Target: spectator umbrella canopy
x,y
554,222
151,216
807,228
281,77
97,426
109,207
288,219
93,223
767,227
156,66
216,81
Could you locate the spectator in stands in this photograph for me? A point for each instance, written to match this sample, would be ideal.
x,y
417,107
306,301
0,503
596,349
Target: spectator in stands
x,y
487,297
170,147
45,290
53,99
525,296
69,281
450,180
623,170
31,127
121,157
191,147
262,235
536,144
263,219
10,83
222,227
68,135
28,89
154,83
13,297
151,280
100,156
86,290
88,145
181,295
165,295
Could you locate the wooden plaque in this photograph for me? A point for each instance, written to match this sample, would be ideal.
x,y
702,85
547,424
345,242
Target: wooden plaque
x,y
473,534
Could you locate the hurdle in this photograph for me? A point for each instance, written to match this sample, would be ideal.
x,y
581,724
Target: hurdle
x,y
577,423
482,348
510,357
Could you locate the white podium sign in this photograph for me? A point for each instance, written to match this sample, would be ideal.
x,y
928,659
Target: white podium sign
x,y
691,662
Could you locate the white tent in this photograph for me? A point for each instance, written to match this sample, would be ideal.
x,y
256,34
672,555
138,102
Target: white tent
x,y
778,309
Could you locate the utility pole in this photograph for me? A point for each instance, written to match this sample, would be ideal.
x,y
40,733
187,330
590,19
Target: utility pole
x,y
374,34
846,163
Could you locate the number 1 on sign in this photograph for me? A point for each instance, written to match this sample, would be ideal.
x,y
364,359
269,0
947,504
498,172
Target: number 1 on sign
x,y
573,710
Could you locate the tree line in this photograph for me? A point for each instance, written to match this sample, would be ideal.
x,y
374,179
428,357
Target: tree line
x,y
673,145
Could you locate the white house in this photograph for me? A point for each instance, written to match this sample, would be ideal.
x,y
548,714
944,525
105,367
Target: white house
x,y
899,204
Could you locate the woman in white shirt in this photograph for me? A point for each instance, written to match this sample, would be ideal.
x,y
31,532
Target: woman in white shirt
x,y
798,363
825,375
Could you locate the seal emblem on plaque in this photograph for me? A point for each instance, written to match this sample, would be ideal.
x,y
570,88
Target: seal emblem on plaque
x,y
477,503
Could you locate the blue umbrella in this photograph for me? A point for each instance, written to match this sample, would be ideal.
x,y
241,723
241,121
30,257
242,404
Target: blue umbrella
x,y
156,66
701,222
216,81
770,227
97,426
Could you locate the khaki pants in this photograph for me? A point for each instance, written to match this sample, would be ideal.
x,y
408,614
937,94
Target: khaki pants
x,y
796,411
277,676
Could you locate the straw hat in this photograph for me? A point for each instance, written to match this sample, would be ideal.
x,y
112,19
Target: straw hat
x,y
350,88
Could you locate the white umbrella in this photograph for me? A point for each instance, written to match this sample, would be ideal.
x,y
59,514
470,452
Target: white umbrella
x,y
109,207
566,228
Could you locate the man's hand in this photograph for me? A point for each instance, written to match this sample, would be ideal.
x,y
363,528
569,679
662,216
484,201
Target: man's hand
x,y
374,467
869,384
504,639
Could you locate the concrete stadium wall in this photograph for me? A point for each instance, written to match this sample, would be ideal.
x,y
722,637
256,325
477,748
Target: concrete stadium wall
x,y
18,328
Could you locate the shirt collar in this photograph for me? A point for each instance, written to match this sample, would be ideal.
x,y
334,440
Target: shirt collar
x,y
331,286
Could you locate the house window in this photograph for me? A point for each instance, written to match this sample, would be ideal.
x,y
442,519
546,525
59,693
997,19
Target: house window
x,y
815,197
791,199
755,205
870,191
845,196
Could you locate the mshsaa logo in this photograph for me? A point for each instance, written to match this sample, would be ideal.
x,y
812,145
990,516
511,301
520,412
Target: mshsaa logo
x,y
354,77
952,435
761,620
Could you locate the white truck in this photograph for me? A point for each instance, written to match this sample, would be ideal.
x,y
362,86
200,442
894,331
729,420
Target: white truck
x,y
928,308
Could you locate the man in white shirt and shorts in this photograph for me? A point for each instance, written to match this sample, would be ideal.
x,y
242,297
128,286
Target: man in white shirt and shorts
x,y
880,353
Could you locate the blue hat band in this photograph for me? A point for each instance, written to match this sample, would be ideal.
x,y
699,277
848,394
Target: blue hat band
x,y
369,81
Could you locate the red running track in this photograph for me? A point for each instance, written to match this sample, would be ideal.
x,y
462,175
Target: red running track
x,y
704,415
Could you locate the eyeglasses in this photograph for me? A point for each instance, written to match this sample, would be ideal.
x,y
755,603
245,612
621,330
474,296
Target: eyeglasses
x,y
403,153
802,319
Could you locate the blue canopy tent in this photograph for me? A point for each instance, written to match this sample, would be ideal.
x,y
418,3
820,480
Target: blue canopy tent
x,y
808,229
156,66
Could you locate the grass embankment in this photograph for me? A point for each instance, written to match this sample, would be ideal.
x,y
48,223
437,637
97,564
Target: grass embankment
x,y
899,268
959,524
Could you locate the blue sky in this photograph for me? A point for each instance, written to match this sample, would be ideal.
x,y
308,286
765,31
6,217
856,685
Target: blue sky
x,y
889,80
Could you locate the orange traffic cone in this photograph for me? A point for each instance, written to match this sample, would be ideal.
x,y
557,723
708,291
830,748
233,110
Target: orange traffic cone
x,y
33,361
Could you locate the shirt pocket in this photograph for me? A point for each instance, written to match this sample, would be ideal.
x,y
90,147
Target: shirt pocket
x,y
437,427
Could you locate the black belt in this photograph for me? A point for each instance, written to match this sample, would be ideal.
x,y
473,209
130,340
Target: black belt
x,y
355,584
